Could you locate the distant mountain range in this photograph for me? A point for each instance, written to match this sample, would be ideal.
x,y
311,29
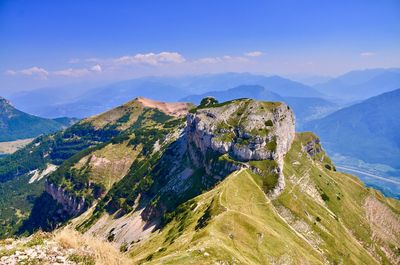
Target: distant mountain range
x,y
100,99
83,100
15,124
368,130
362,84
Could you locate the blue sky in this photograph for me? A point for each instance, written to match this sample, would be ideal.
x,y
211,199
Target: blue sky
x,y
45,43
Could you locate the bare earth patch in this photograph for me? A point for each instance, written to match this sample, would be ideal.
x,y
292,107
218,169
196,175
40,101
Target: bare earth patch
x,y
128,229
173,109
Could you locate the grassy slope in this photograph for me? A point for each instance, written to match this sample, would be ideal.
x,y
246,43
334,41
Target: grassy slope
x,y
343,227
236,222
238,233
109,164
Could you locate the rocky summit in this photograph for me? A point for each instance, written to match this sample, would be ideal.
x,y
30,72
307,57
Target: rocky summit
x,y
217,183
245,130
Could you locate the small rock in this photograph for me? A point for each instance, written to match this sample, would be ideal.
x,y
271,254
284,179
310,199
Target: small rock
x,y
60,259
29,251
22,257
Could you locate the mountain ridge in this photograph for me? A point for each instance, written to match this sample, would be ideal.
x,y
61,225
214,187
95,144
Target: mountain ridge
x,y
227,182
15,124
361,84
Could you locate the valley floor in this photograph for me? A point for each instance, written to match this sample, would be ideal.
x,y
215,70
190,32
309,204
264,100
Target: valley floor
x,y
11,147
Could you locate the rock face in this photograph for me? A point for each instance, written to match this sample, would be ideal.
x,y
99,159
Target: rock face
x,y
71,204
246,130
313,147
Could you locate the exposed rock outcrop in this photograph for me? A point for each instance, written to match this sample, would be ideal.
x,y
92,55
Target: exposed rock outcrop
x,y
313,147
246,130
71,204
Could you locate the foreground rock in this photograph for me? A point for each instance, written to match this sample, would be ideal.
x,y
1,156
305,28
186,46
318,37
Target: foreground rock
x,y
63,247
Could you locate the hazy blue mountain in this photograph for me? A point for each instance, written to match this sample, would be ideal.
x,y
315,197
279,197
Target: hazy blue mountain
x,y
41,101
305,109
216,82
108,97
309,79
82,101
289,88
308,109
362,84
368,130
244,91
15,124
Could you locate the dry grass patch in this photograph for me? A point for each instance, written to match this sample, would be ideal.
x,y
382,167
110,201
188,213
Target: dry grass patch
x,y
103,253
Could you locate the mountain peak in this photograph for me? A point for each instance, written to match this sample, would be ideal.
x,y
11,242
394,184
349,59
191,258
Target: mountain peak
x,y
4,102
171,108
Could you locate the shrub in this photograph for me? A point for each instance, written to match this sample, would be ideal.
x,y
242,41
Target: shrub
x,y
208,101
325,197
269,123
123,247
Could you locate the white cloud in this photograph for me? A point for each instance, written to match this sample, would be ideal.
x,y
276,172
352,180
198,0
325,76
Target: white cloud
x,y
209,60
78,72
254,54
163,62
33,71
223,59
44,74
72,72
367,54
151,58
10,72
96,68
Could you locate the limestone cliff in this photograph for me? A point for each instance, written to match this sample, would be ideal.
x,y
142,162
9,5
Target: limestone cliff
x,y
71,204
246,130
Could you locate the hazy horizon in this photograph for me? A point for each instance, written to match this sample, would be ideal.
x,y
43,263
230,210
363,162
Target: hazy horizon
x,y
309,79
